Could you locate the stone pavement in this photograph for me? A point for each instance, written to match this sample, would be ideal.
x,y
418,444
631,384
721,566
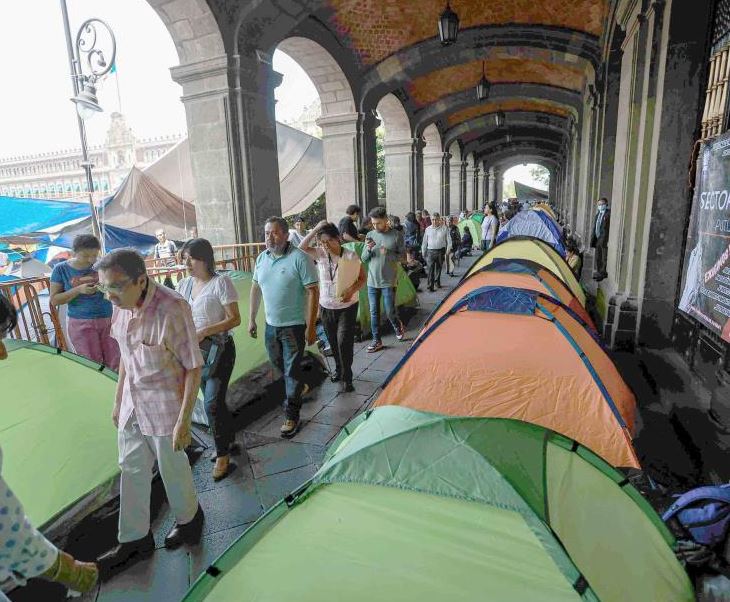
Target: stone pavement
x,y
268,468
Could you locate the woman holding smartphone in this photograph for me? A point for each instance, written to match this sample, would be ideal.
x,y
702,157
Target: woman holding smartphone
x,y
73,283
214,302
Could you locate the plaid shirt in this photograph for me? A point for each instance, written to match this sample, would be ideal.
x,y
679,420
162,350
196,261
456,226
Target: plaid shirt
x,y
158,346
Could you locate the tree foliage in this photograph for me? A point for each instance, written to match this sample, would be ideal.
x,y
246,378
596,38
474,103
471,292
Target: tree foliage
x,y
540,175
380,163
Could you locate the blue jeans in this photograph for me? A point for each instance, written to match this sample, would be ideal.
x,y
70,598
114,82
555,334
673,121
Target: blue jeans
x,y
388,295
285,346
214,390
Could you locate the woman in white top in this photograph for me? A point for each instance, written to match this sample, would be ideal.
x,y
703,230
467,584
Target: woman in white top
x,y
337,312
214,302
490,226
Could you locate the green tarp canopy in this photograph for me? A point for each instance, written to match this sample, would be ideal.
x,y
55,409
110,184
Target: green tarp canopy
x,y
416,506
59,444
474,228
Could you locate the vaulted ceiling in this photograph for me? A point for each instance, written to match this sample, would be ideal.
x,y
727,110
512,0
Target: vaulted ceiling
x,y
540,57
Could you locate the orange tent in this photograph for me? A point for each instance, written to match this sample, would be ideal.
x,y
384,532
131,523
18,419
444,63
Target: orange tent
x,y
517,273
517,353
536,250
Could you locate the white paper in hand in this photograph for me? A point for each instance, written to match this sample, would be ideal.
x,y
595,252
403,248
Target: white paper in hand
x,y
347,272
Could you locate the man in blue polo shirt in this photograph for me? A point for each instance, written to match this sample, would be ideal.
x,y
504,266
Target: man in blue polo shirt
x,y
288,281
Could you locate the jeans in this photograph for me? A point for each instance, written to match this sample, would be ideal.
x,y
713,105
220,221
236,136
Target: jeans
x,y
487,244
285,346
339,324
388,295
434,261
214,391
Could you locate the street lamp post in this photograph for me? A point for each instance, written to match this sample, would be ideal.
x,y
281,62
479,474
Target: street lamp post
x,y
83,80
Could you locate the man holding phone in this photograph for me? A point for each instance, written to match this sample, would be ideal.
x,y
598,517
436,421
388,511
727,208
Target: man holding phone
x,y
384,249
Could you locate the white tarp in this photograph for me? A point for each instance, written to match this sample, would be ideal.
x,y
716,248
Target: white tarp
x,y
301,169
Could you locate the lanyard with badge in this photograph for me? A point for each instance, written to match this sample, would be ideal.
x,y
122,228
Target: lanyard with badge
x,y
331,285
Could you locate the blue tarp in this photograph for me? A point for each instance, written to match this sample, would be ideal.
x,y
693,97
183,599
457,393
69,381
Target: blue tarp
x,y
115,238
536,224
23,216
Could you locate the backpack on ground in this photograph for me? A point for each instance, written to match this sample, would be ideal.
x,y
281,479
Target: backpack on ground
x,y
700,520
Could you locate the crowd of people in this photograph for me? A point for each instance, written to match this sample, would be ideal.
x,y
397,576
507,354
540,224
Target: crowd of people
x,y
169,345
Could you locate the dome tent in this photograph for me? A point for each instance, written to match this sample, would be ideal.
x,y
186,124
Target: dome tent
x,y
417,506
519,273
58,400
532,249
536,224
574,388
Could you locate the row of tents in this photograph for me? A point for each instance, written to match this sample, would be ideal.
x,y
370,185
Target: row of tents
x,y
492,466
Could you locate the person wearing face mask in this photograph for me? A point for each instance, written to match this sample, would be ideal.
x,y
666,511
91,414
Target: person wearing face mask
x,y
599,238
74,282
338,313
214,301
26,553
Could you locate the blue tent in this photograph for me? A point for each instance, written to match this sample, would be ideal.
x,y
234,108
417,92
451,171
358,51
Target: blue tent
x,y
536,224
22,216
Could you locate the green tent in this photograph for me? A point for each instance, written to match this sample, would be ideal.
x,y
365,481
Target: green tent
x,y
474,228
405,292
478,217
59,443
417,506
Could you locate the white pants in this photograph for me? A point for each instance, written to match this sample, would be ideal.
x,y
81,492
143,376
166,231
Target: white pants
x,y
137,455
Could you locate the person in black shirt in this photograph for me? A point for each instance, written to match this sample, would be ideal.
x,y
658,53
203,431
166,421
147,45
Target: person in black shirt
x,y
347,227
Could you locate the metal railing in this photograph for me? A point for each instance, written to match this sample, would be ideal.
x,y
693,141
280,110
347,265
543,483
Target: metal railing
x,y
36,321
39,320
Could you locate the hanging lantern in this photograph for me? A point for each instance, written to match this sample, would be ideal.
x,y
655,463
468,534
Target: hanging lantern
x,y
483,86
448,26
499,119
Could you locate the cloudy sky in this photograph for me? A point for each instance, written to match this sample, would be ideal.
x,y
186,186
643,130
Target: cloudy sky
x,y
36,114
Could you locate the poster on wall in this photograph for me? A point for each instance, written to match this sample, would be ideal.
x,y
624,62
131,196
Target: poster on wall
x,y
706,274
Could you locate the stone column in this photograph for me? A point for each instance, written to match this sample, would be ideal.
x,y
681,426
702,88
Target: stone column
x,y
475,196
465,180
469,192
455,184
432,175
339,143
498,185
445,183
484,198
682,85
417,146
209,103
491,185
367,161
399,176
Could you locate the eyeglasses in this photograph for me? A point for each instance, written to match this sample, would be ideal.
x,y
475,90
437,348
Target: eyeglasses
x,y
117,288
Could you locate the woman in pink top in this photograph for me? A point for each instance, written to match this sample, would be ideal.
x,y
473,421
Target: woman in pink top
x,y
338,313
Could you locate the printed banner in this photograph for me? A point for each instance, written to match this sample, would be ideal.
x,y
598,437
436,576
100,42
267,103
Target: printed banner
x,y
706,278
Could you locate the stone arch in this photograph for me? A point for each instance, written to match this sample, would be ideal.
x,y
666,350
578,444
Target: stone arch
x,y
398,145
333,87
193,29
433,167
338,121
